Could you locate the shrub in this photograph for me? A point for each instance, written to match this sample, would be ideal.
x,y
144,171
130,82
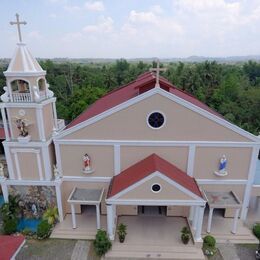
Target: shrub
x,y
51,215
27,232
9,226
256,230
43,230
209,241
101,243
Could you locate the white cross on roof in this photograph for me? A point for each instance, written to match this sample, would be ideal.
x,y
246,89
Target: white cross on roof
x,y
157,70
18,23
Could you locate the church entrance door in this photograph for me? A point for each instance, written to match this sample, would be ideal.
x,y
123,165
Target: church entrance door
x,y
152,210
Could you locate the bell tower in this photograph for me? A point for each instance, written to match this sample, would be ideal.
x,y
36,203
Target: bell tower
x,y
29,116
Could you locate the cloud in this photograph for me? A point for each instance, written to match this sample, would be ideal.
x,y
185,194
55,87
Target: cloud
x,y
95,6
71,8
105,25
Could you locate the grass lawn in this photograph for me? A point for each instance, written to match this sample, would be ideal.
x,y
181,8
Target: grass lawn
x,y
49,249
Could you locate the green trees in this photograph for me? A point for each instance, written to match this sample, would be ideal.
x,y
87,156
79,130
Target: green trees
x,y
231,89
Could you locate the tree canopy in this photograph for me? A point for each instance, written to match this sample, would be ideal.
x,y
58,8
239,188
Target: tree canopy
x,y
231,89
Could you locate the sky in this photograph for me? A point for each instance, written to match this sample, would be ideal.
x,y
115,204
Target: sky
x,y
132,28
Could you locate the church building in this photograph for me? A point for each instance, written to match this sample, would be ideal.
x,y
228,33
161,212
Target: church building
x,y
146,148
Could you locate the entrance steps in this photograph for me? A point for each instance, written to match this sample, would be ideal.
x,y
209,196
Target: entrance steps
x,y
73,234
126,251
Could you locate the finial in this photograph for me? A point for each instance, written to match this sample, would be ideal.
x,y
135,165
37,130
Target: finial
x,y
18,23
157,70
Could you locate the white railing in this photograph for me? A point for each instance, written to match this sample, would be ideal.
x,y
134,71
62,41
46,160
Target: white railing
x,y
22,97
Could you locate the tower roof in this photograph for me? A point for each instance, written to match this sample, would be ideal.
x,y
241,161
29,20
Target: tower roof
x,y
23,63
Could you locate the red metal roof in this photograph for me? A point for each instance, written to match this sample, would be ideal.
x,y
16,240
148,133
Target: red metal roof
x,y
9,245
126,92
146,167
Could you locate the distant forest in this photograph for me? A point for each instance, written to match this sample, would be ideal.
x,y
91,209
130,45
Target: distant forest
x,y
231,89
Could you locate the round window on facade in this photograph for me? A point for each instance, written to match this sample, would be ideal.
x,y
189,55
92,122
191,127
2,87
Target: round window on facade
x,y
156,187
156,120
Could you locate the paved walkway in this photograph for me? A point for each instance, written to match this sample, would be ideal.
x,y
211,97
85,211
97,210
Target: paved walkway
x,y
228,251
80,251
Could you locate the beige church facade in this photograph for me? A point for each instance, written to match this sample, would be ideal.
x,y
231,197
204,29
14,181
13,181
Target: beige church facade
x,y
144,146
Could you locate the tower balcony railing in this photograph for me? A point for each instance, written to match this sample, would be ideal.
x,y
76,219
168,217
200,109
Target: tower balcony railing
x,y
22,97
26,97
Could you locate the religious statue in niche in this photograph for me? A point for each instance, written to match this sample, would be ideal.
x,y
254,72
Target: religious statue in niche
x,y
87,164
56,172
222,171
22,126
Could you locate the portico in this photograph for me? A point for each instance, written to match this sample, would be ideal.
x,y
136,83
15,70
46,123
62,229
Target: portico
x,y
85,197
154,182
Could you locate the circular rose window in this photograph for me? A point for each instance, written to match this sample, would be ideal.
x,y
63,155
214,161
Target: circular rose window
x,y
156,187
156,120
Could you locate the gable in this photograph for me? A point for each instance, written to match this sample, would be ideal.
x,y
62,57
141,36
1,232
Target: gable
x,y
181,124
144,191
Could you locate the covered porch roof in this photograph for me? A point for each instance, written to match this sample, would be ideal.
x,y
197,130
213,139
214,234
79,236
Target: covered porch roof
x,y
148,168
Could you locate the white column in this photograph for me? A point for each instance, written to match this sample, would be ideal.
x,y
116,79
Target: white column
x,y
4,189
59,199
251,176
47,162
192,212
195,218
110,221
98,216
7,137
73,216
210,219
235,220
199,224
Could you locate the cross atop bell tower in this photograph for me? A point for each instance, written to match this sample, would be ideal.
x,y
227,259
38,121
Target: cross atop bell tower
x,y
157,70
18,23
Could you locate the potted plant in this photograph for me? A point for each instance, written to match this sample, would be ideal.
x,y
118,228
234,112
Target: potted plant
x,y
185,235
121,231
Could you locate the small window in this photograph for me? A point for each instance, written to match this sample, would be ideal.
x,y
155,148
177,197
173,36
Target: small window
x,y
156,187
156,120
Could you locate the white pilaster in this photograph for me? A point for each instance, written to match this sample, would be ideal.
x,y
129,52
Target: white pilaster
x,y
58,157
17,166
98,216
248,189
55,116
235,220
199,223
9,162
39,163
39,117
6,128
47,163
210,219
73,216
191,159
59,199
117,159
